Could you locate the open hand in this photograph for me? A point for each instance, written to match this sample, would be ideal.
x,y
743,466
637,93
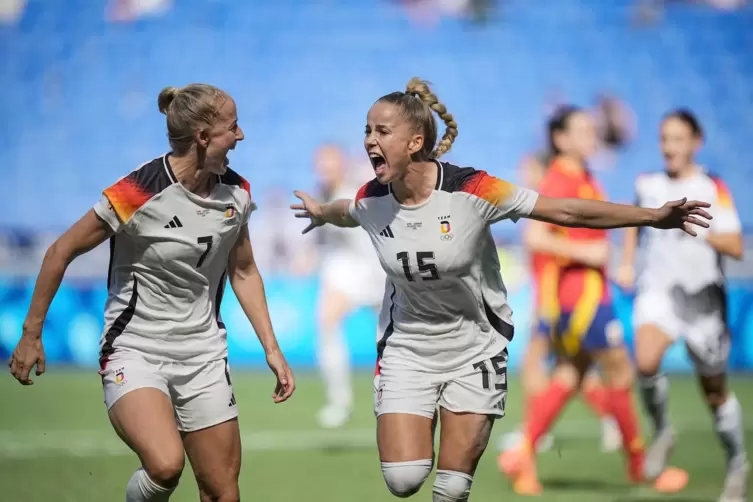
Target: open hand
x,y
682,214
308,208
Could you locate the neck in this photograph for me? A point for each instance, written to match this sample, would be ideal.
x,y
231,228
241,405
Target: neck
x,y
686,172
417,184
572,163
190,173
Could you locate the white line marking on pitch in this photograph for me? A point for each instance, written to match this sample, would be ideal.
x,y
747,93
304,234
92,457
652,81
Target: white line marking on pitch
x,y
32,444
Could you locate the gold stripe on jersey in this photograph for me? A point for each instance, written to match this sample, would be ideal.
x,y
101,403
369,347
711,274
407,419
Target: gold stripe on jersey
x,y
126,197
493,190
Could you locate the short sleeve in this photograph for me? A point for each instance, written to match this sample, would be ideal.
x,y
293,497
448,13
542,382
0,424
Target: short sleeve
x,y
726,218
353,210
105,210
497,199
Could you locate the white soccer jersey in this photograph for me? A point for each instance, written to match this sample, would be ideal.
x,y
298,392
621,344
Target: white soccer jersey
x,y
337,241
445,304
168,263
671,257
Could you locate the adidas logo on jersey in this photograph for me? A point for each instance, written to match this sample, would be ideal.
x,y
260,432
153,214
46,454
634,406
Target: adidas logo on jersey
x,y
387,232
175,222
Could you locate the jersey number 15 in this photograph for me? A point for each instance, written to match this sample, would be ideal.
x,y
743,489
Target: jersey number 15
x,y
427,270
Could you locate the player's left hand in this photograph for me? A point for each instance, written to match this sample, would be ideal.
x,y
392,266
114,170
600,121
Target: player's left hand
x,y
285,381
682,214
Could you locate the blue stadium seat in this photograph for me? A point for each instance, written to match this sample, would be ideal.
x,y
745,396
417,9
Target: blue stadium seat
x,y
79,94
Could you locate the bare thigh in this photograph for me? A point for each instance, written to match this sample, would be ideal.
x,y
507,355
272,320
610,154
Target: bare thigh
x,y
144,419
650,345
402,437
215,456
462,440
617,369
333,307
534,375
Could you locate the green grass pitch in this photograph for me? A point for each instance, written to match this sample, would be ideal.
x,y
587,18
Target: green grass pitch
x,y
56,445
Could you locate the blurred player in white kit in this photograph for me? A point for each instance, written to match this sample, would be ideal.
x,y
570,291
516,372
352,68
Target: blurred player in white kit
x,y
350,278
681,294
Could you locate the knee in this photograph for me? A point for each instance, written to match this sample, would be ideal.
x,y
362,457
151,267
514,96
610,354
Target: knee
x,y
715,390
404,479
452,486
165,470
647,367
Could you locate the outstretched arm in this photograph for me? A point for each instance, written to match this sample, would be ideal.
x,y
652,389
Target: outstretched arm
x,y
586,213
335,213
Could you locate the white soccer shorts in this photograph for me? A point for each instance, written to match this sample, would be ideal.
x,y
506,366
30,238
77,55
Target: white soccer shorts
x,y
201,394
699,319
479,388
361,281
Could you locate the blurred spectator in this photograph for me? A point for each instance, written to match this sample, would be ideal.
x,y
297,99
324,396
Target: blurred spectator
x,y
130,10
430,12
11,11
649,11
616,124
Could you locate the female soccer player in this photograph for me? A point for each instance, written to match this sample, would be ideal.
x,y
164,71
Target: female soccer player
x,y
681,294
178,228
350,278
556,255
445,319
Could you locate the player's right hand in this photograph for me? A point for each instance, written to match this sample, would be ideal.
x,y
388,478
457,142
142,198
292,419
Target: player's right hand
x,y
29,352
309,208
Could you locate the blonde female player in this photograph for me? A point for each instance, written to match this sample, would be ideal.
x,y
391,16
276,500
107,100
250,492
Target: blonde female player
x,y
177,230
350,278
445,318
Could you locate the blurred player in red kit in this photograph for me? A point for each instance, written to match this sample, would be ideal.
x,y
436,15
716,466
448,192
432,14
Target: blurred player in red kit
x,y
578,312
549,253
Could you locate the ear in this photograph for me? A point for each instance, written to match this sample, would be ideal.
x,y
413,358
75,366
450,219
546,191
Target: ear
x,y
202,138
415,144
559,140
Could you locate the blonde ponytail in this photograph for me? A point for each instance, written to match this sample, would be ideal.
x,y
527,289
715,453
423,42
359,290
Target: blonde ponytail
x,y
420,88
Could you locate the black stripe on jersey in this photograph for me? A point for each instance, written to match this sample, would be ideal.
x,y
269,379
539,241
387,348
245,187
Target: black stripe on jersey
x,y
168,169
498,324
455,177
153,176
373,189
109,264
218,300
119,325
390,327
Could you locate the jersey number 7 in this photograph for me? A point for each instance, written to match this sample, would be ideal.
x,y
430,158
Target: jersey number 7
x,y
207,240
427,270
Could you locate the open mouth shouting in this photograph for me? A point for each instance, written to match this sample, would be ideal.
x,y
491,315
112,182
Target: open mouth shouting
x,y
378,163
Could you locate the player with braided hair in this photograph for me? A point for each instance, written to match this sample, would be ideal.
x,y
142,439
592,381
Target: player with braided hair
x,y
445,322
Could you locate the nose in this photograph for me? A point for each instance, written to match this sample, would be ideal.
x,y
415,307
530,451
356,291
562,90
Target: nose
x,y
239,136
369,141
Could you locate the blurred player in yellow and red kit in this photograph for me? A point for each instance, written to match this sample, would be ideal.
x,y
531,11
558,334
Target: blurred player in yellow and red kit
x,y
545,270
577,310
